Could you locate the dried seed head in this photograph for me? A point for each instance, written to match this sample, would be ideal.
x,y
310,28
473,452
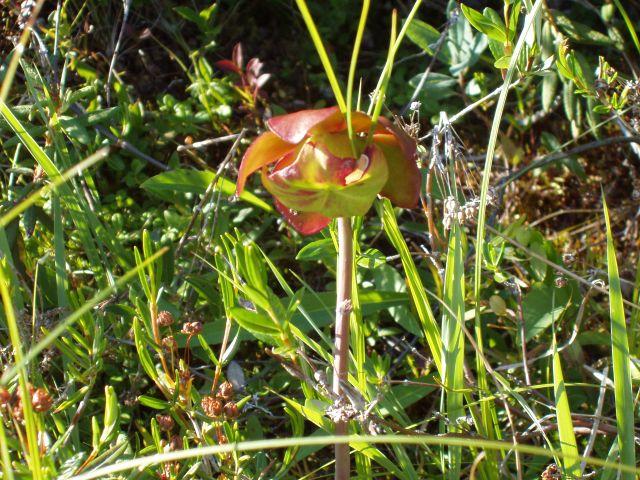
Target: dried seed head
x,y
169,343
226,391
212,406
165,318
175,443
41,400
552,472
231,410
165,422
192,328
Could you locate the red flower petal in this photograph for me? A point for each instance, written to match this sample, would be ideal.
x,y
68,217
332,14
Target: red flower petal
x,y
265,149
404,181
293,127
305,223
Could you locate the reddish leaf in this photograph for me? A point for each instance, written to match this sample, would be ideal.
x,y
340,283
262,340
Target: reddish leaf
x,y
237,55
228,66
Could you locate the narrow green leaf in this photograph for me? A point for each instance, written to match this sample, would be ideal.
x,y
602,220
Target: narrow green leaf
x,y
568,444
453,342
621,358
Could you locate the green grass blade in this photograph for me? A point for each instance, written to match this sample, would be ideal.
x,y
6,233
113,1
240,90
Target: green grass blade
x,y
416,287
629,24
359,440
322,53
453,342
621,358
33,458
568,444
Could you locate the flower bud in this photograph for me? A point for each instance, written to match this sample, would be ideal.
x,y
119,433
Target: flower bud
x,y
169,343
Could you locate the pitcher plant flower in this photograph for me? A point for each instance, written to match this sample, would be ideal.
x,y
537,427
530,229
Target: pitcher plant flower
x,y
307,162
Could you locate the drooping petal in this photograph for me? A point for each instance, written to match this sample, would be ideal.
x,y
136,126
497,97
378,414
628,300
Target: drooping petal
x,y
293,127
265,149
321,182
404,182
305,223
407,143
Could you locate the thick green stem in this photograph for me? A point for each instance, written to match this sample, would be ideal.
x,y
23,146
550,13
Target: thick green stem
x,y
341,355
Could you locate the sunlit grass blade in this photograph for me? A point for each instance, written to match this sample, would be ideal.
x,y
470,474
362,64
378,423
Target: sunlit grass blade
x,y
55,182
278,443
414,282
30,422
629,24
568,444
453,342
377,99
322,53
354,62
621,359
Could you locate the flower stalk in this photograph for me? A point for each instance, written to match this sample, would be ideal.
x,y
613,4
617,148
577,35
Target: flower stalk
x,y
344,279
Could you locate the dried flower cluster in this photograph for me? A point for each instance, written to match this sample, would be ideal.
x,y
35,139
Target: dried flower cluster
x,y
462,213
165,318
41,401
192,328
221,404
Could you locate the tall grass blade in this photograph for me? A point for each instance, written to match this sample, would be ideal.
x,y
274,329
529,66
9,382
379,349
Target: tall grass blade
x,y
621,358
568,444
453,343
322,53
278,443
60,328
414,282
30,422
